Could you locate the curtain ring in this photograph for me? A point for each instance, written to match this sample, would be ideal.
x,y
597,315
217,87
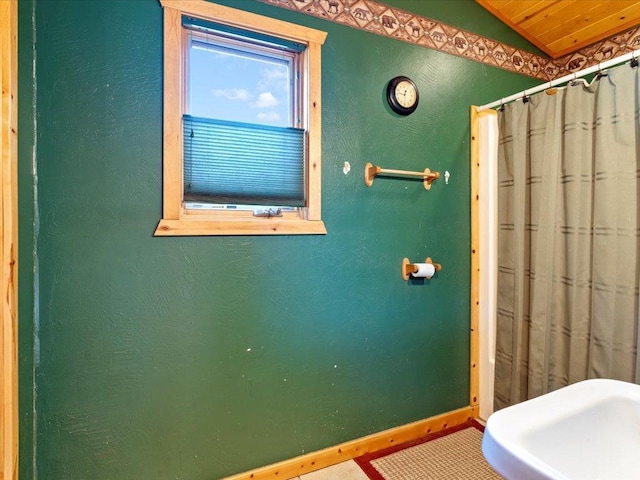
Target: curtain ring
x,y
634,60
573,80
600,74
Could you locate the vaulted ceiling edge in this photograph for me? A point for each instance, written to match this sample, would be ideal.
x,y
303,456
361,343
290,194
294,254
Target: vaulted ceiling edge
x,y
387,21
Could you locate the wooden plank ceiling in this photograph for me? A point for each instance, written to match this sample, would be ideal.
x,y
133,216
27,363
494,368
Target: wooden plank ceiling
x,y
560,27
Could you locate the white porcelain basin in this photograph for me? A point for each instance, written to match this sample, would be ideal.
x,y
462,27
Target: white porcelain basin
x,y
588,430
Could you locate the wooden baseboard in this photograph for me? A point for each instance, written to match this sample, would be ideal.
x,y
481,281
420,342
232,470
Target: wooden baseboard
x,y
354,448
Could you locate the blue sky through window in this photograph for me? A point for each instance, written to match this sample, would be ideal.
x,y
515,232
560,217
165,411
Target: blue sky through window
x,y
233,85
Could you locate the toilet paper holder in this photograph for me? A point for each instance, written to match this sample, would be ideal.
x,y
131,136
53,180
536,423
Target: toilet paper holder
x,y
408,268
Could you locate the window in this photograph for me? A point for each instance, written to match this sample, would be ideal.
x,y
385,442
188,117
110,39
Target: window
x,y
241,136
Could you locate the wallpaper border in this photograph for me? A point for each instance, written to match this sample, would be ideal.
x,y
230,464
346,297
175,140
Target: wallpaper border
x,y
387,21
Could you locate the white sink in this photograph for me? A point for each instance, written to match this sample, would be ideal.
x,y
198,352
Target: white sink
x,y
588,430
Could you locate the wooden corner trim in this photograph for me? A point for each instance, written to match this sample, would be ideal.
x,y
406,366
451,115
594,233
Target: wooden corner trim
x,y
474,367
9,242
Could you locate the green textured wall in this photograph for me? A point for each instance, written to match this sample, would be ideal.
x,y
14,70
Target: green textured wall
x,y
194,358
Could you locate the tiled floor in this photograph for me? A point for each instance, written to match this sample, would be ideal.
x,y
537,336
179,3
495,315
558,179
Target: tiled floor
x,y
343,471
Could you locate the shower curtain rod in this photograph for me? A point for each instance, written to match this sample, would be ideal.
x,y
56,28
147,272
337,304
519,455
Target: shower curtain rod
x,y
567,78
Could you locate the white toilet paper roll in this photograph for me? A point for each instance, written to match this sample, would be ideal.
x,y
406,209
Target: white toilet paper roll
x,y
425,270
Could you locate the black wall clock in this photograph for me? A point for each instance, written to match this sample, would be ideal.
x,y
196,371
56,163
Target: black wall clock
x,y
402,95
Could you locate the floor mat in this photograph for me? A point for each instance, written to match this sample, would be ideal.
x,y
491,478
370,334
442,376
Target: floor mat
x,y
452,454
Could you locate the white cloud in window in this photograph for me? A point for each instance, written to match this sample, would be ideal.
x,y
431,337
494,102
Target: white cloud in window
x,y
238,94
268,116
274,78
266,100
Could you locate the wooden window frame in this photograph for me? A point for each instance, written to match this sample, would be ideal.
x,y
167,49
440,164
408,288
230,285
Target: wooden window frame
x,y
176,218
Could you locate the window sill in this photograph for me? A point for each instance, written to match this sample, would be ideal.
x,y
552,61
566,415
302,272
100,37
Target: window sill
x,y
240,226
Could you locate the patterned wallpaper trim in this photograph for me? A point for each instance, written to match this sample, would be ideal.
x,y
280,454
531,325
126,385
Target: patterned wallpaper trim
x,y
381,19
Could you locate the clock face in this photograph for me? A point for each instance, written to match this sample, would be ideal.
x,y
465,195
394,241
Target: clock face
x,y
402,95
405,94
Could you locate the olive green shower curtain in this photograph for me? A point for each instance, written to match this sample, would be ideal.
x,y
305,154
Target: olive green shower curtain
x,y
569,237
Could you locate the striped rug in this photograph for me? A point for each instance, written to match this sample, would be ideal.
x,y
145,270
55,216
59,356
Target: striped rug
x,y
452,454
